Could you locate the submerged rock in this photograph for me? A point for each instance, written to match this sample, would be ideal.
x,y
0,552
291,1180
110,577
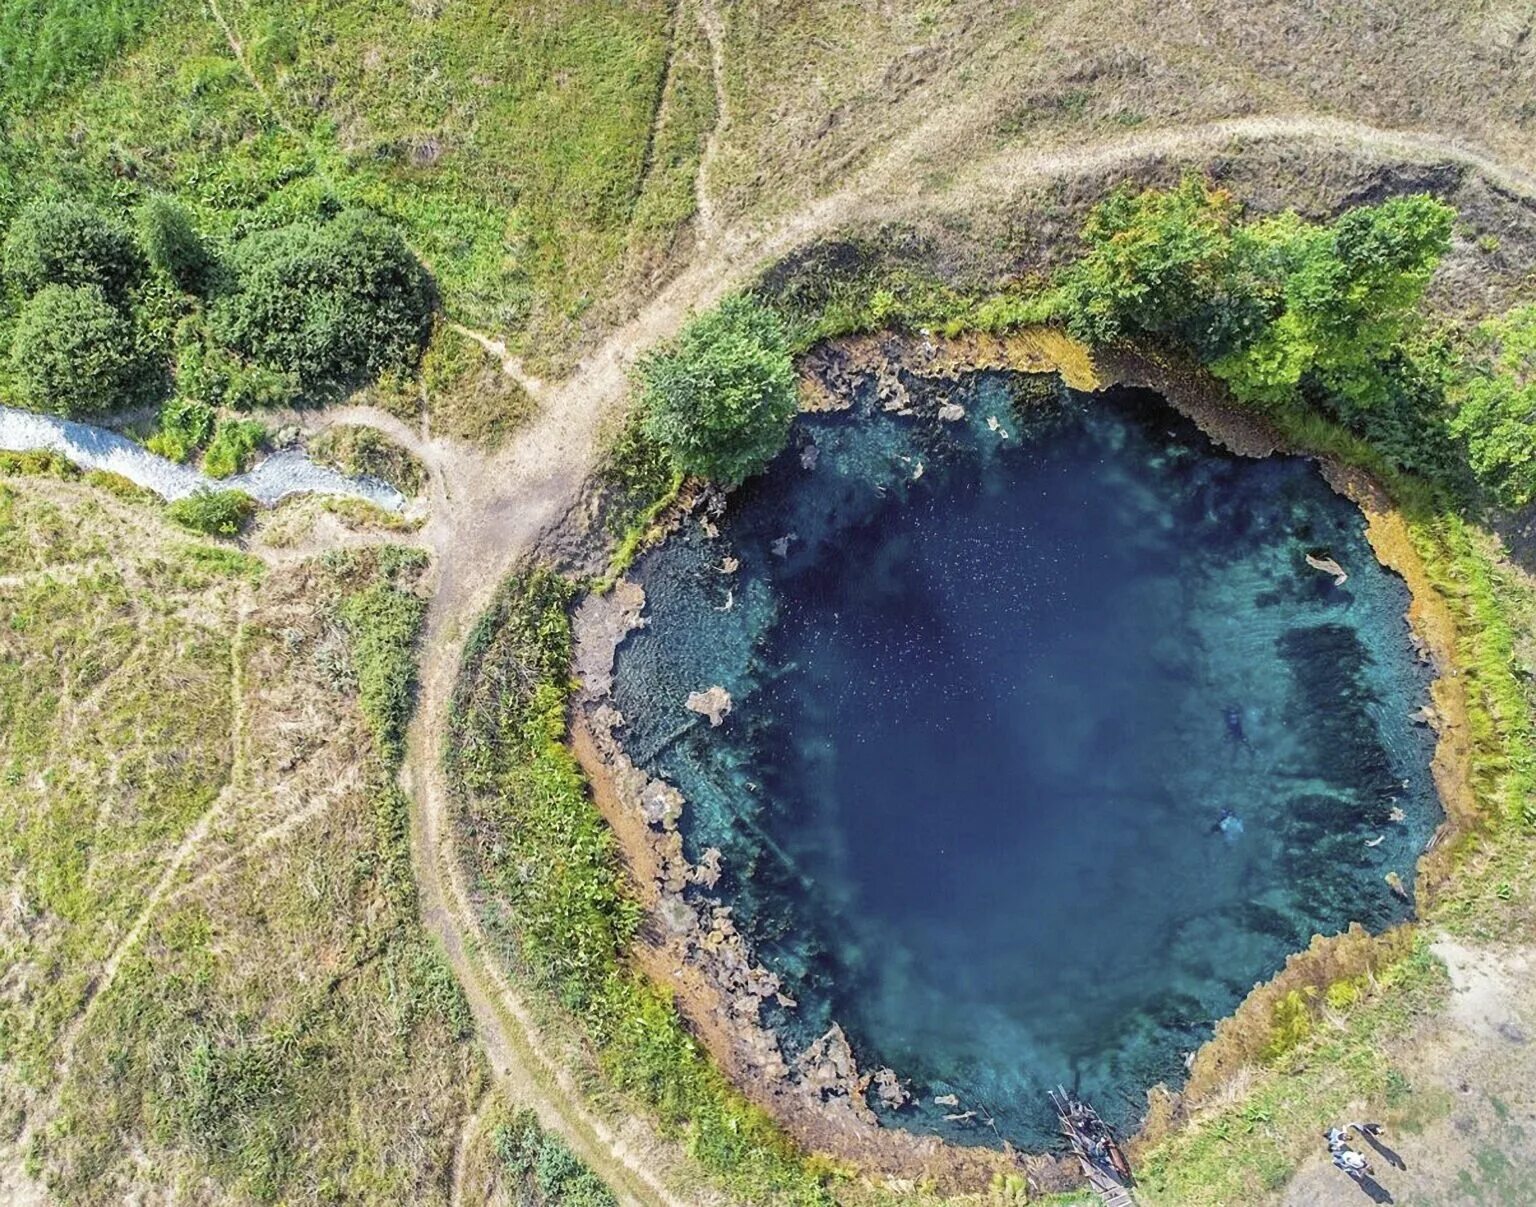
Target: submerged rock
x,y
1328,566
715,703
951,412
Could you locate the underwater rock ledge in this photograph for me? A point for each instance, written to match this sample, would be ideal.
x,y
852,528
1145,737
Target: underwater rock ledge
x,y
692,945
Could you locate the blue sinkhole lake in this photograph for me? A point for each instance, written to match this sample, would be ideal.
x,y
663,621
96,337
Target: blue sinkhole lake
x,y
1047,741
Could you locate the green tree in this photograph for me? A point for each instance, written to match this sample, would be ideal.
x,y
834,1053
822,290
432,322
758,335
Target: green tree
x,y
1165,263
70,243
171,243
333,303
1496,406
1350,295
721,396
72,351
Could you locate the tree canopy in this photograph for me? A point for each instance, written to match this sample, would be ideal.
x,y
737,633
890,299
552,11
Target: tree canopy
x,y
72,351
1496,406
721,396
70,243
1269,304
333,303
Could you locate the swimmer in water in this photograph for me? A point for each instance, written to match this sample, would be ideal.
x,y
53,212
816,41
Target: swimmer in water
x,y
1229,825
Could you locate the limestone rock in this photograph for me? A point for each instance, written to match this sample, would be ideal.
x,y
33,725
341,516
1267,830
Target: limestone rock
x,y
889,1091
661,804
601,624
714,703
707,871
951,412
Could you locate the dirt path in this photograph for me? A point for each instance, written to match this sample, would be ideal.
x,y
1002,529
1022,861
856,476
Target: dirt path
x,y
712,22
494,509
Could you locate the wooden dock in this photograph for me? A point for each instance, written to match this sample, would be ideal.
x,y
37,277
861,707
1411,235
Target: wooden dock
x,y
1096,1148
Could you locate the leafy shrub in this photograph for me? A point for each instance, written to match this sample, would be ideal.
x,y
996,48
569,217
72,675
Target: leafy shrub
x,y
1349,296
234,442
215,512
172,245
721,396
550,1173
333,303
1271,306
72,351
1165,263
218,377
185,425
1496,406
70,243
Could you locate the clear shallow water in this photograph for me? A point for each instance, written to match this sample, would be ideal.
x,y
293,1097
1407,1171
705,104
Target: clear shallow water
x,y
987,719
276,476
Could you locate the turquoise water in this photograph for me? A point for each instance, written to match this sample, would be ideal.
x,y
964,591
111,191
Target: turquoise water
x,y
1047,742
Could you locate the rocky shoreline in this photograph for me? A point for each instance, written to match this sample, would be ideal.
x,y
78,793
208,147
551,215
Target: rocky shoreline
x,y
691,943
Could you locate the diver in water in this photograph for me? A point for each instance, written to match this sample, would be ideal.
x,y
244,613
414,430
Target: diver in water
x,y
1233,716
1229,825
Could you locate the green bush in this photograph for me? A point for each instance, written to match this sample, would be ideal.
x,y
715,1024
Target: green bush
x,y
214,512
172,245
234,443
70,243
218,377
72,352
1272,306
721,396
1349,298
184,426
332,303
548,1172
1496,406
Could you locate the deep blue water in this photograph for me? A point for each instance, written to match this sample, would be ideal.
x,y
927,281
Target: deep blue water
x,y
988,717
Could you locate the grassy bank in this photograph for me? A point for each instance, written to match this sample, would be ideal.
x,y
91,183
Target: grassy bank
x,y
557,903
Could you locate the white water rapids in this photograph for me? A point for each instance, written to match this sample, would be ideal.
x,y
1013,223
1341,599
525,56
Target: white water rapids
x,y
285,472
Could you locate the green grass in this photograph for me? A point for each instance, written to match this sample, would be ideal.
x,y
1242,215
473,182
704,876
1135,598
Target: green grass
x,y
46,47
514,147
1252,1145
359,451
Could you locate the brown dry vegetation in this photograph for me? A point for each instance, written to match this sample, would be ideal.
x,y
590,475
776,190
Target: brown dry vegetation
x,y
216,988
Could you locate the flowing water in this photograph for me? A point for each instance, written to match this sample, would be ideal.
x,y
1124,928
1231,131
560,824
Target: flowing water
x,y
1047,741
283,473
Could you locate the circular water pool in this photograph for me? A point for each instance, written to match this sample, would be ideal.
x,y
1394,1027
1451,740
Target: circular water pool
x,y
1048,742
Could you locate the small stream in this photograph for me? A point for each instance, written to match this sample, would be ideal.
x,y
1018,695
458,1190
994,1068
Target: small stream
x,y
283,473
